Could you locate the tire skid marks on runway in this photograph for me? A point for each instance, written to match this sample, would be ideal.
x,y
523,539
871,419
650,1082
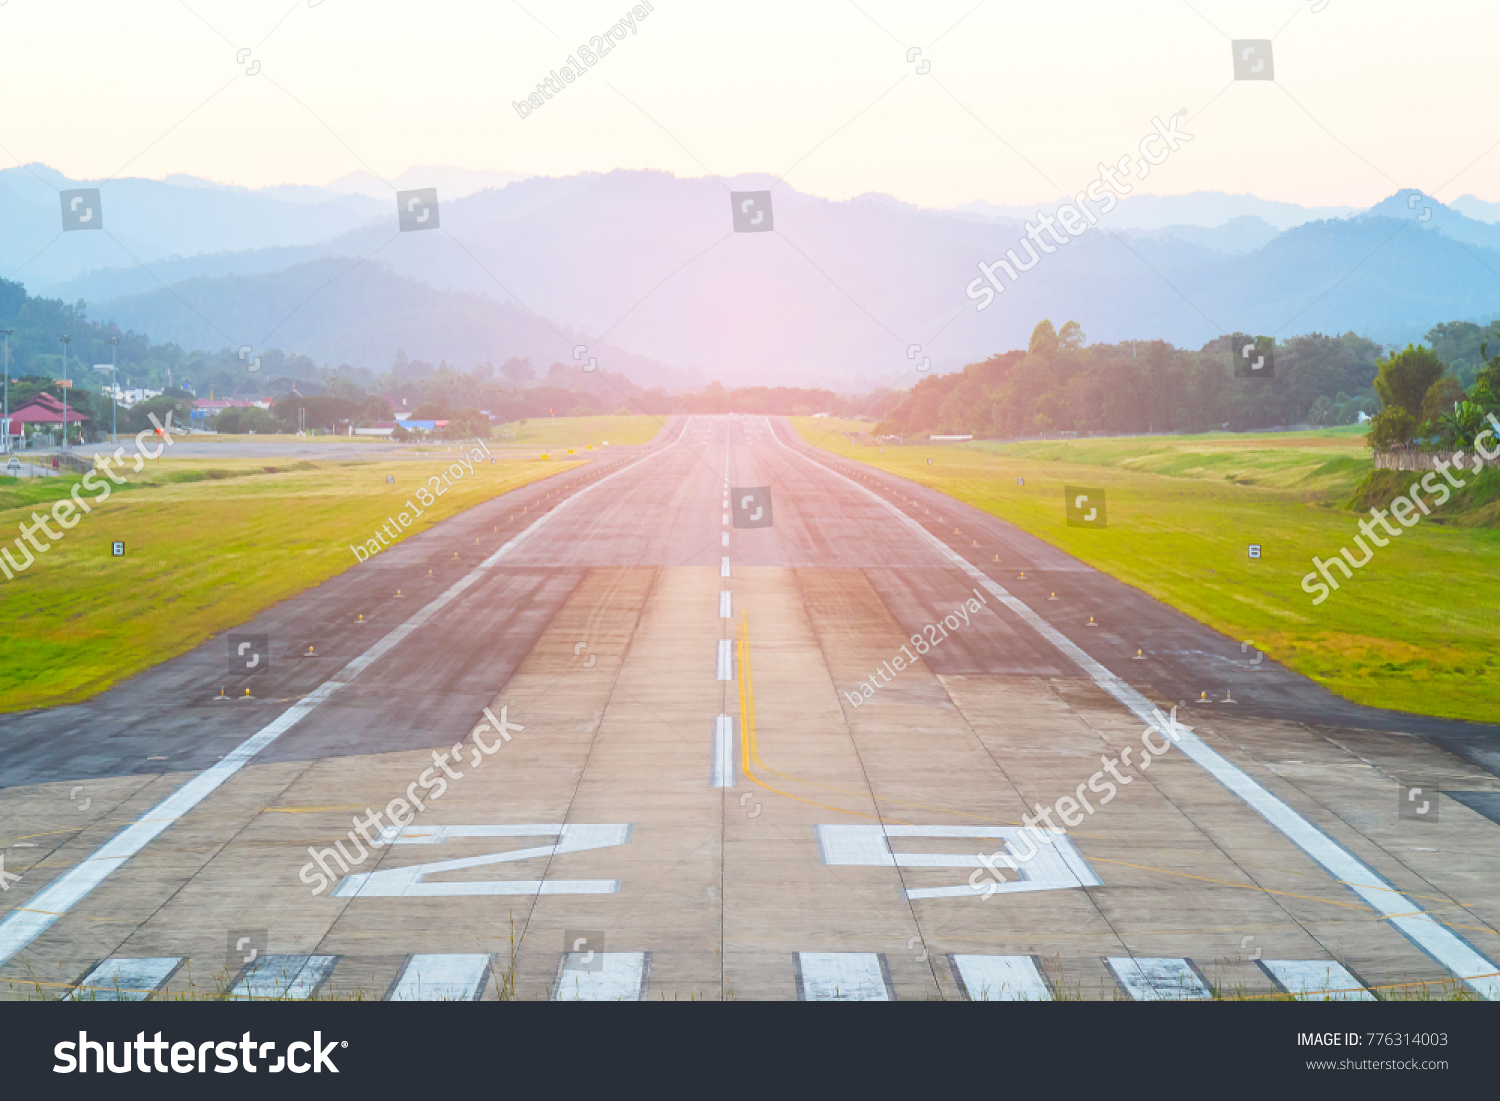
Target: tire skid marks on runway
x,y
289,978
23,925
1159,978
1437,941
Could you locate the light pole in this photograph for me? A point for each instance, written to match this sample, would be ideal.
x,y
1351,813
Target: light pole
x,y
114,383
63,382
6,445
114,379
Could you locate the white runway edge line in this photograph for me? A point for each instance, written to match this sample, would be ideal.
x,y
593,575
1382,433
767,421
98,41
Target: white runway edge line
x,y
24,924
1438,941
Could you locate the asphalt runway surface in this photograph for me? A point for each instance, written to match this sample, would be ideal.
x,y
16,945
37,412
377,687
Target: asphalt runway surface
x,y
624,747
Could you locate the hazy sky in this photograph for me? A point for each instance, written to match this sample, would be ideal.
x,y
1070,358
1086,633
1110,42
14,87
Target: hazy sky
x,y
1021,100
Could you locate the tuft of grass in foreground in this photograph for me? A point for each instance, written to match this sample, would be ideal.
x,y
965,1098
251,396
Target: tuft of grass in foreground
x,y
208,545
1413,631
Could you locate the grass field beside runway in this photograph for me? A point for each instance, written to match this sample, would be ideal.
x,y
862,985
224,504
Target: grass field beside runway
x,y
581,432
1414,630
209,543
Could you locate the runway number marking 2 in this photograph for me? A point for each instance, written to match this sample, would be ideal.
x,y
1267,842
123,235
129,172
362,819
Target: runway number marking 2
x,y
412,882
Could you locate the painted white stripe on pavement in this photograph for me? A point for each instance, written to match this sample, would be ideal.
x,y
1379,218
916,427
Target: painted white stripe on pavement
x,y
724,605
1317,980
607,977
1002,979
1159,979
23,925
726,539
842,977
726,659
124,980
723,770
1438,941
442,978
291,978
724,567
726,519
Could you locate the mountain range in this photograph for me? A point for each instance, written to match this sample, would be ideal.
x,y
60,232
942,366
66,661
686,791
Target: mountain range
x,y
644,269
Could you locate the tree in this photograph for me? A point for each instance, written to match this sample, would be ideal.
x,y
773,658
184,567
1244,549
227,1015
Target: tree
x,y
1403,378
1440,399
518,371
1390,427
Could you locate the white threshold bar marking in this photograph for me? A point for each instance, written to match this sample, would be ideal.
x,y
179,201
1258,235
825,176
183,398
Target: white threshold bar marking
x,y
606,977
124,980
1001,979
1438,941
292,978
442,978
23,925
843,977
1159,979
1319,980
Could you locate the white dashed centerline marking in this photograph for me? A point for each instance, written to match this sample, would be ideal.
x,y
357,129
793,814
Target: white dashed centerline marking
x,y
725,604
726,660
723,767
724,568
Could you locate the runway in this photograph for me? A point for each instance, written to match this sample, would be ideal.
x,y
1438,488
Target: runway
x,y
685,758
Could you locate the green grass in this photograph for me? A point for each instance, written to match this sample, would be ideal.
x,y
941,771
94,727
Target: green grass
x,y
1412,631
209,543
581,432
